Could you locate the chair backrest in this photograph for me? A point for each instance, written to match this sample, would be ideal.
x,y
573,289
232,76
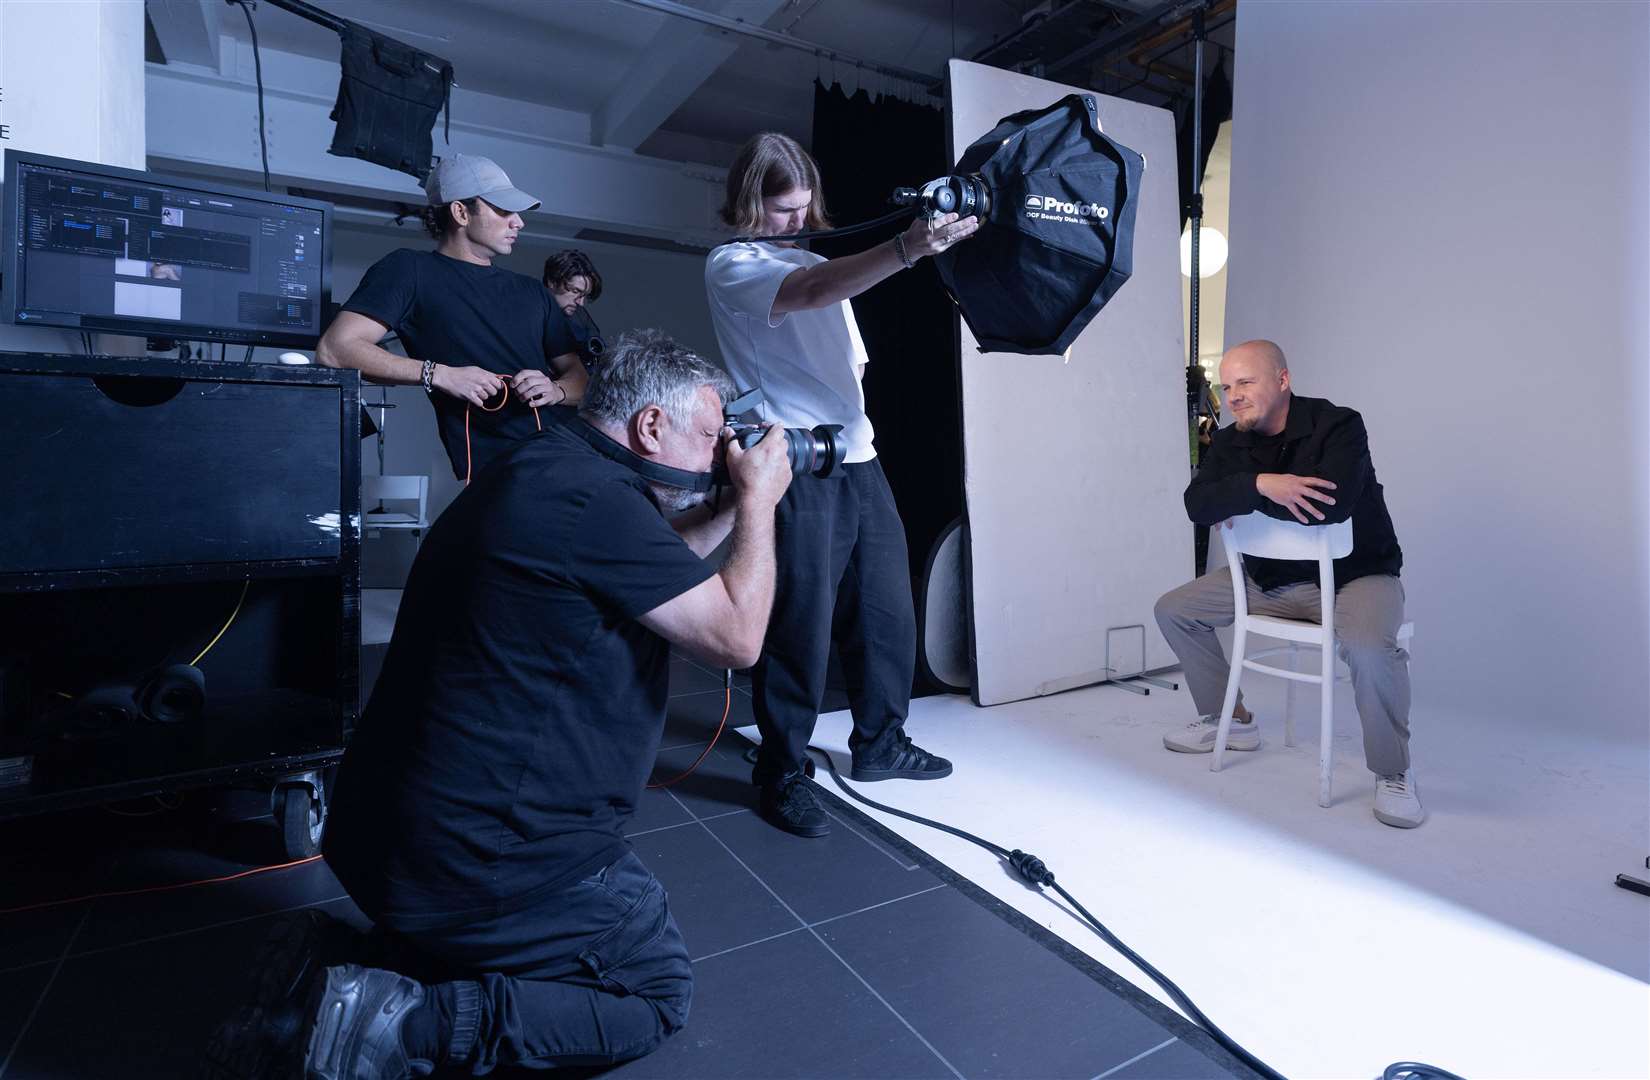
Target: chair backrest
x,y
1268,538
378,489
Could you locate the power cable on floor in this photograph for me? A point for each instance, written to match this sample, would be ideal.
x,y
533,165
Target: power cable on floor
x,y
156,888
1033,870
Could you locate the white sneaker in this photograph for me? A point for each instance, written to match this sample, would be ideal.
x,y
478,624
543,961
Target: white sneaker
x,y
1198,737
1397,803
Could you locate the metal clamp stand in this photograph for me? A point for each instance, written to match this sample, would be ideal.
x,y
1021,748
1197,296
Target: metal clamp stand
x,y
383,405
1128,682
1635,884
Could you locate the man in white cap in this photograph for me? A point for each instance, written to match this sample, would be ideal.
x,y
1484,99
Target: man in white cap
x,y
488,346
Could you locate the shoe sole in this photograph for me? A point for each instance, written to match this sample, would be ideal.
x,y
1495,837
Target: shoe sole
x,y
1210,748
242,1048
871,776
1400,823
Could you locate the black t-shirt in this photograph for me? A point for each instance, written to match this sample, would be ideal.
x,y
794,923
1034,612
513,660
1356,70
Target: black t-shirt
x,y
463,315
520,704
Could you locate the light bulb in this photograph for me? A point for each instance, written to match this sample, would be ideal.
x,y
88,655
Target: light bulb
x,y
1211,254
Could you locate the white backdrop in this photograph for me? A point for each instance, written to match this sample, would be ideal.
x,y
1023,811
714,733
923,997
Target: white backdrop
x,y
1074,466
1439,211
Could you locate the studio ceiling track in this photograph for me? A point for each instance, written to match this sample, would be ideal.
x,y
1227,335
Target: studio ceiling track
x,y
931,83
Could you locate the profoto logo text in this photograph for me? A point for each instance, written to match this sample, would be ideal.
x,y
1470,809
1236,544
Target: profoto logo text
x,y
1048,208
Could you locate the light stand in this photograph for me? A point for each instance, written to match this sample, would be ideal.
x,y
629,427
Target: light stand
x,y
1198,403
1196,208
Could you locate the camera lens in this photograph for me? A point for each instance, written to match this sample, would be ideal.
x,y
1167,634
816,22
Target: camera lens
x,y
817,452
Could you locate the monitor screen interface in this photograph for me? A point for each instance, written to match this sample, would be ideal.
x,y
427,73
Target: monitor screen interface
x,y
113,250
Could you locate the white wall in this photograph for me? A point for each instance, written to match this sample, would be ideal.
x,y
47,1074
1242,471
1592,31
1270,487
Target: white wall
x,y
1439,210
95,115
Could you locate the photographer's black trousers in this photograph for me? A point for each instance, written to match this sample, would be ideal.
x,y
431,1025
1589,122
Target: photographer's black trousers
x,y
594,974
842,575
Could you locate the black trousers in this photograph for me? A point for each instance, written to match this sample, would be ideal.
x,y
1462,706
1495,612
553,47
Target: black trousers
x,y
842,576
592,975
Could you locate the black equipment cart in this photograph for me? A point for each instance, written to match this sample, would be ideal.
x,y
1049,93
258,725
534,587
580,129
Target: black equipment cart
x,y
179,581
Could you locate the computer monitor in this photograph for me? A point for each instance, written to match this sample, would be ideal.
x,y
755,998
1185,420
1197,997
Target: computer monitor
x,y
95,248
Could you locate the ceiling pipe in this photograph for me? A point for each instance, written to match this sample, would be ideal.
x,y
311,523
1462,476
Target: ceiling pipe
x,y
1178,30
931,83
1097,50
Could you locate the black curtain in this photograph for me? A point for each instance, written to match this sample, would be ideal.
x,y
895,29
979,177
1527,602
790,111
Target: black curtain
x,y
865,149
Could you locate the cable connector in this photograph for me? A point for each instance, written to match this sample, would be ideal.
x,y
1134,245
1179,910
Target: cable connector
x,y
1030,867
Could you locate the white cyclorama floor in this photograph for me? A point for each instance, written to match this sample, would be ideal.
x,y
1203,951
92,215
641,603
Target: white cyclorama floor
x,y
1492,941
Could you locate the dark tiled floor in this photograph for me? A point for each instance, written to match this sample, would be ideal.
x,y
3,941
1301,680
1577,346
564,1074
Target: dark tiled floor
x,y
852,956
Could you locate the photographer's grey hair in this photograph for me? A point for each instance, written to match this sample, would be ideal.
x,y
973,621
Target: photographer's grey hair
x,y
647,367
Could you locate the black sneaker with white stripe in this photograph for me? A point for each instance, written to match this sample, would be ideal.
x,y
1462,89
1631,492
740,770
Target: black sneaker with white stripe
x,y
906,761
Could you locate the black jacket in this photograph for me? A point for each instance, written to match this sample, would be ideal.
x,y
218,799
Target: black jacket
x,y
1319,439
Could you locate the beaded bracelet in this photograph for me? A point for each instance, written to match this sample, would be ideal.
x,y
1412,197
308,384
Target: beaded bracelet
x,y
899,249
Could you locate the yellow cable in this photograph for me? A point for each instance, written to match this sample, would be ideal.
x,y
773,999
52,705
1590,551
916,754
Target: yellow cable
x,y
244,586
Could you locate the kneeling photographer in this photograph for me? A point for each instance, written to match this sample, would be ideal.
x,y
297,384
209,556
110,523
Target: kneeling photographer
x,y
782,319
479,810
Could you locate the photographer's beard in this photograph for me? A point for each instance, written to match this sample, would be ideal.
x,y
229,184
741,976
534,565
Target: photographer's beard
x,y
675,500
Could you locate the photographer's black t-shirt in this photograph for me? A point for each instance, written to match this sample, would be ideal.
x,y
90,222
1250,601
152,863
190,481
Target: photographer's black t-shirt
x,y
463,315
520,704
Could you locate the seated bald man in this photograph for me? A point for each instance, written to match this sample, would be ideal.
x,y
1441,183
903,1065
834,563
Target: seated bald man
x,y
1307,460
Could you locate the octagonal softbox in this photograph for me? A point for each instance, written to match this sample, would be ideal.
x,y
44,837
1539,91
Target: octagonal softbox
x,y
1058,240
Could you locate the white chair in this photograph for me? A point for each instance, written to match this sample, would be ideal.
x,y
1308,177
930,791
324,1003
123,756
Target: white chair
x,y
376,491
1268,538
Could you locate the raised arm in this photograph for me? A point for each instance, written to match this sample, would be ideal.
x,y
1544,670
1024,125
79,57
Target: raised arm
x,y
836,280
724,619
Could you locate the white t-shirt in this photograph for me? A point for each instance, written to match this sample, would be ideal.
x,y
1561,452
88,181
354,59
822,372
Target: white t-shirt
x,y
806,362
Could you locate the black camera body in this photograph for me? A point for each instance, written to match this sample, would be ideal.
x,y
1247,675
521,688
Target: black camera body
x,y
816,451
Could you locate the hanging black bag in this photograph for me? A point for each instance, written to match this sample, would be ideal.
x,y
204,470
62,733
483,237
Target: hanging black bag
x,y
388,99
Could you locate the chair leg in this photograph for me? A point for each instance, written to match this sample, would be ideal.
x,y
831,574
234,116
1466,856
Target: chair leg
x,y
1289,697
1326,734
1238,636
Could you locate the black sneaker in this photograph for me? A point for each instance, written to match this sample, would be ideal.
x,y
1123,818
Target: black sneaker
x,y
355,1022
792,805
908,761
261,1040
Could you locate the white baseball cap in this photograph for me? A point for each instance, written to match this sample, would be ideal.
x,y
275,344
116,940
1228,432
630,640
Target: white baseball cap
x,y
465,176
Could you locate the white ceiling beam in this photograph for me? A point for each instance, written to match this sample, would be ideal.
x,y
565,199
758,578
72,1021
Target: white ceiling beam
x,y
199,120
187,29
673,65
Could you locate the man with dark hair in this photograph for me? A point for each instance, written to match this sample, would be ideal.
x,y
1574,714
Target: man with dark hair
x,y
572,279
574,282
479,812
782,317
485,343
1306,460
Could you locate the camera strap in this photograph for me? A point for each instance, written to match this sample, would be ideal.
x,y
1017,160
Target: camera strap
x,y
648,470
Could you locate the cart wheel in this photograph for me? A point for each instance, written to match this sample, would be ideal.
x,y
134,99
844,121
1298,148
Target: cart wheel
x,y
303,818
